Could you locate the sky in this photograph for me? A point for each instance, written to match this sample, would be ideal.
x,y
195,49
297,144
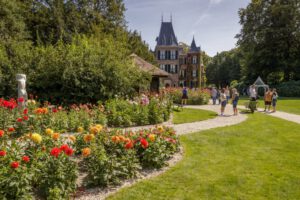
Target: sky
x,y
214,23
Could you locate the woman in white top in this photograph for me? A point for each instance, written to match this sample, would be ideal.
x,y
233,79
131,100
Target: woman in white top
x,y
223,101
253,93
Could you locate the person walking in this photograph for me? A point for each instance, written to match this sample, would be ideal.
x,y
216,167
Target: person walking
x,y
223,101
227,93
184,97
253,93
214,94
274,99
235,99
219,96
268,99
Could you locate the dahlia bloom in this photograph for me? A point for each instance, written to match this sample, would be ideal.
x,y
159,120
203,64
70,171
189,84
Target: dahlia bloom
x,y
151,137
26,159
129,145
49,131
55,152
55,136
2,153
86,152
14,165
36,138
88,137
144,143
1,133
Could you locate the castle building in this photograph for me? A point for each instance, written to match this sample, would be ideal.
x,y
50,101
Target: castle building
x,y
183,65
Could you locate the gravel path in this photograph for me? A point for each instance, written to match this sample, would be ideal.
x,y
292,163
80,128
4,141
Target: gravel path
x,y
218,121
279,114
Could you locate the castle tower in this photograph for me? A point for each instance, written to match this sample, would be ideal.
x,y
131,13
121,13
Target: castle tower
x,y
166,53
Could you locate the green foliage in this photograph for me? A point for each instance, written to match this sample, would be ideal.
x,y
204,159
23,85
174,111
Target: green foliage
x,y
289,89
76,51
124,113
224,68
270,40
110,163
195,97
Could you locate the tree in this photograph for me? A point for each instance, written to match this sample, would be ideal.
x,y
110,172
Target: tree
x,y
269,40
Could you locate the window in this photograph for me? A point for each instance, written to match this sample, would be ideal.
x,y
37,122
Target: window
x,y
173,55
194,73
182,73
162,55
194,60
162,67
181,83
173,69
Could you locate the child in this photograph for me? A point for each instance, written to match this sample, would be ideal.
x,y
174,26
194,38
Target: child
x,y
223,100
235,99
274,99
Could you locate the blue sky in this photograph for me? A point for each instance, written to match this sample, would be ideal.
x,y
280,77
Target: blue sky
x,y
213,22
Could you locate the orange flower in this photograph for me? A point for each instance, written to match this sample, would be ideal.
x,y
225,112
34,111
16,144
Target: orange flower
x,y
40,111
86,152
151,137
88,137
115,139
55,136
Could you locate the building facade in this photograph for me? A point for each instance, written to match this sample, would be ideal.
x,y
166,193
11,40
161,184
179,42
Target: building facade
x,y
183,64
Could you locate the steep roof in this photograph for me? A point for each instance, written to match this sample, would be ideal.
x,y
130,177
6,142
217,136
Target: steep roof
x,y
194,47
148,67
166,35
259,82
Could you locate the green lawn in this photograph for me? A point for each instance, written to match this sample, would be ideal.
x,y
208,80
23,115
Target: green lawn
x,y
257,159
291,105
188,115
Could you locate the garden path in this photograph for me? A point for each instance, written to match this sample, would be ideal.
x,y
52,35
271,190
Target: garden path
x,y
219,121
283,115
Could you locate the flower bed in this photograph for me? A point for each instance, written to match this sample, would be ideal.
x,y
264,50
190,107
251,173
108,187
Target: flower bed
x,y
47,164
115,113
195,96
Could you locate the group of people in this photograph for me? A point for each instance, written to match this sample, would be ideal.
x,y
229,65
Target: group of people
x,y
270,98
223,96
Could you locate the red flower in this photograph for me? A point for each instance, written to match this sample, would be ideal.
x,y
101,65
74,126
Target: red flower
x,y
11,129
1,133
21,99
144,143
26,159
14,165
64,147
19,120
2,153
69,151
54,110
25,117
129,145
25,112
55,152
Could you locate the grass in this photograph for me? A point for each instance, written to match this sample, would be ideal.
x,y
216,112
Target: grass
x,y
188,115
257,159
290,105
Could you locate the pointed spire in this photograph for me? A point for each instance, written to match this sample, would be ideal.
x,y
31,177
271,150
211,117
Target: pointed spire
x,y
162,17
171,17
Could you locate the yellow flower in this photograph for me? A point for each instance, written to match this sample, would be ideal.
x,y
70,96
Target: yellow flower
x,y
80,129
160,128
86,152
36,138
55,136
88,137
151,137
49,131
72,138
99,127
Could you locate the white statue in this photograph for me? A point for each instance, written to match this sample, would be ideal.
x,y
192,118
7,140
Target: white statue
x,y
22,93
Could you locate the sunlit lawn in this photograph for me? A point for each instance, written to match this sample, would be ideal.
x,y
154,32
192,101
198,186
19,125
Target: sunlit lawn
x,y
291,105
188,115
257,159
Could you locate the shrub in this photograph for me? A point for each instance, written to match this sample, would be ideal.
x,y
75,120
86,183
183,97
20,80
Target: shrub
x,y
289,89
196,96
